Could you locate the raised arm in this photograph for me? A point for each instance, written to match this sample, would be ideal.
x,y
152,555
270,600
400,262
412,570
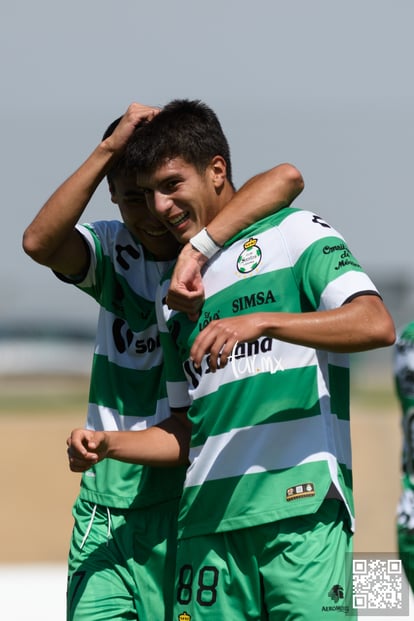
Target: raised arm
x,y
51,239
262,195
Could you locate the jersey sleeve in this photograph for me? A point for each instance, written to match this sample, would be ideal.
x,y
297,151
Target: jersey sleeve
x,y
326,270
94,236
89,280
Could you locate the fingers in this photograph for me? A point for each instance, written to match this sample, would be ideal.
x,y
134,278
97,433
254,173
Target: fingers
x,y
222,357
189,302
135,114
185,297
80,463
186,292
139,112
80,451
217,340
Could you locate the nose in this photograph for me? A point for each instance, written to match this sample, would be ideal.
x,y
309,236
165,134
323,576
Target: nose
x,y
162,203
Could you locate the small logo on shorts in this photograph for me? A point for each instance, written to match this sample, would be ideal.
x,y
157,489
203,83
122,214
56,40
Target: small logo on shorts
x,y
336,593
300,491
184,616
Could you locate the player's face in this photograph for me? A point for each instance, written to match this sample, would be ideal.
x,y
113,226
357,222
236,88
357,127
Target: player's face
x,y
143,224
182,198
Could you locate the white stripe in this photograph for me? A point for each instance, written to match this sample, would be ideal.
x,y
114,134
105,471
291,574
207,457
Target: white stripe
x,y
274,255
88,530
178,396
113,234
267,447
142,349
333,469
108,419
281,357
89,280
303,228
346,285
163,312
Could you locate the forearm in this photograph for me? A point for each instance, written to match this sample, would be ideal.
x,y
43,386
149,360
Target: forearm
x,y
259,197
361,325
51,238
166,444
54,224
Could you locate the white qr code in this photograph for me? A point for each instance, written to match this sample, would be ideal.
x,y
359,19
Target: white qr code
x,y
379,585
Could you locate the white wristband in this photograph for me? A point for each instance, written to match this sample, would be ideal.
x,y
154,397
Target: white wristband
x,y
205,244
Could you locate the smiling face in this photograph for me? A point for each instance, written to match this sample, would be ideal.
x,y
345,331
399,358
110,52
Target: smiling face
x,y
184,199
139,220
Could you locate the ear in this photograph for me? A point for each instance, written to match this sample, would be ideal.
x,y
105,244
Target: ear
x,y
218,171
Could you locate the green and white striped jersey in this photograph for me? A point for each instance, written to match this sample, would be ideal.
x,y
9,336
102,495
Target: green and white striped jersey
x,y
271,436
404,384
127,387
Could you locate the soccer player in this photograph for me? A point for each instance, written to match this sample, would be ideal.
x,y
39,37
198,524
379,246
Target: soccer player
x,y
266,517
404,384
122,553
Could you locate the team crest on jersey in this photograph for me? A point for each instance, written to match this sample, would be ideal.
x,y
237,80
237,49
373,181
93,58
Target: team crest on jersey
x,y
250,257
300,491
184,616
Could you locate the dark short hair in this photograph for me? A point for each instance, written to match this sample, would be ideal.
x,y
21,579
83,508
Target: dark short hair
x,y
111,128
184,128
120,164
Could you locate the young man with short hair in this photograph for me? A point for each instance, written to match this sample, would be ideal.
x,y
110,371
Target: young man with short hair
x,y
266,517
270,457
122,554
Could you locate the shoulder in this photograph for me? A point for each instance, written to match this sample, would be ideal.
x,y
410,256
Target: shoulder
x,y
310,223
109,233
105,227
301,230
292,223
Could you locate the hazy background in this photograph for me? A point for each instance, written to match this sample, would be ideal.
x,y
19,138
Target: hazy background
x,y
326,85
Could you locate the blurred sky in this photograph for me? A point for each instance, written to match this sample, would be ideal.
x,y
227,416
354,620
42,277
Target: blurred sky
x,y
326,85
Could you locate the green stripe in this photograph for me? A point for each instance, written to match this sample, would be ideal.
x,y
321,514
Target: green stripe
x,y
264,296
262,399
115,295
116,387
263,225
339,382
175,369
126,485
237,507
268,292
335,264
345,479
